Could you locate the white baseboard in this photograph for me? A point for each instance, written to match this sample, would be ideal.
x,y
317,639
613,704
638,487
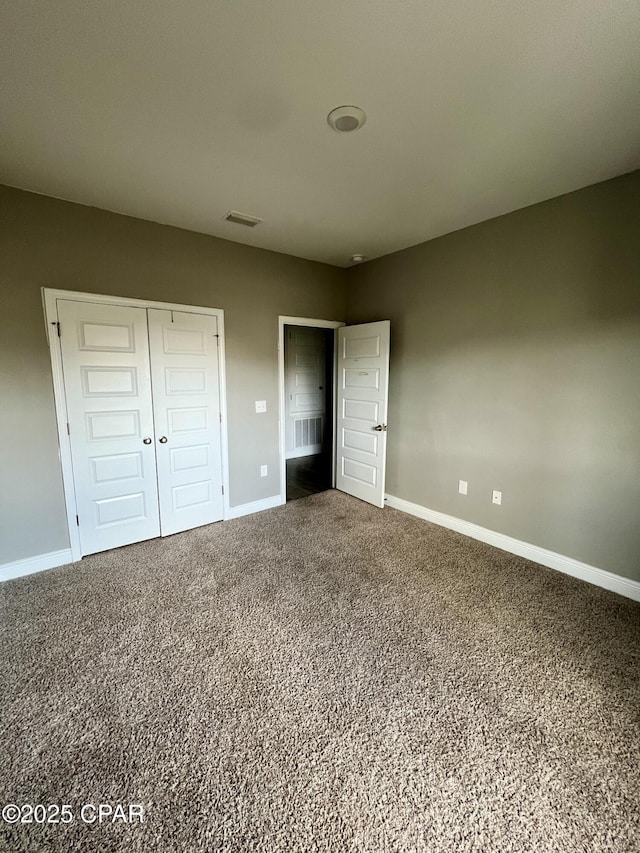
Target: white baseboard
x,y
35,564
254,506
616,583
31,565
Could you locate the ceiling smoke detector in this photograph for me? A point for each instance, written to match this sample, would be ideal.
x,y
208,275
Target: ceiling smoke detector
x,y
242,218
357,258
346,119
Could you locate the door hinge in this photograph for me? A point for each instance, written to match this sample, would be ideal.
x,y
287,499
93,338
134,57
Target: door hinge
x,y
220,417
77,521
68,430
223,490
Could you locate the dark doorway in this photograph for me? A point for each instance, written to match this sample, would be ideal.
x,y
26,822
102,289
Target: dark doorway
x,y
308,356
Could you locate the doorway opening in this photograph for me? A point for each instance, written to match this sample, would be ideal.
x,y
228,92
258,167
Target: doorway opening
x,y
349,438
308,409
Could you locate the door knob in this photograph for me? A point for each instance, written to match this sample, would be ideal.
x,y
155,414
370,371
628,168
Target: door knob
x,y
146,441
163,439
381,428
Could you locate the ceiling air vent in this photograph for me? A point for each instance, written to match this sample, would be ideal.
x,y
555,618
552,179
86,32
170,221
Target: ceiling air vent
x,y
242,218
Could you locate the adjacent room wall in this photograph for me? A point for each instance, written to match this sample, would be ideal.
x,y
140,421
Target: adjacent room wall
x,y
515,365
49,243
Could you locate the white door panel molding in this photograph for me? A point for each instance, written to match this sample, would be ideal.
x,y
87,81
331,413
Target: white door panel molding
x,y
186,406
363,387
107,377
110,448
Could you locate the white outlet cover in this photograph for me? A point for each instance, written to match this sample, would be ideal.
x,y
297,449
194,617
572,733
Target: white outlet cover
x,y
261,406
264,471
496,497
463,486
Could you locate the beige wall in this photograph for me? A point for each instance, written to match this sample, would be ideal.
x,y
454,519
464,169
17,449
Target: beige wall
x,y
515,365
50,243
515,359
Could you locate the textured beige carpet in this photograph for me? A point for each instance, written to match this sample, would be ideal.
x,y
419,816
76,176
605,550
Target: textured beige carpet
x,y
323,676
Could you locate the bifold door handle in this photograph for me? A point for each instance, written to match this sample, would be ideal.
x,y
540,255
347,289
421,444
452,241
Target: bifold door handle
x,y
163,439
381,428
146,441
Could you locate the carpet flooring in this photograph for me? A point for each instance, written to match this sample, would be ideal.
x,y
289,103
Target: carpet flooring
x,y
323,676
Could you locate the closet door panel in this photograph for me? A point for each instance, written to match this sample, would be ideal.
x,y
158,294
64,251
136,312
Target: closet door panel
x,y
186,405
107,376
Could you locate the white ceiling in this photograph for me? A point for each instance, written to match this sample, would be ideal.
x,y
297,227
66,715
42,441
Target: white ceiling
x,y
179,111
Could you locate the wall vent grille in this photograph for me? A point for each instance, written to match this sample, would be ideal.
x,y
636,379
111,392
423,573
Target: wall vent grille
x,y
307,432
242,218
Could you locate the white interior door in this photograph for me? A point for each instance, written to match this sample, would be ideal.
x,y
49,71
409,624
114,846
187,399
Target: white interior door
x,y
363,383
105,356
305,390
186,406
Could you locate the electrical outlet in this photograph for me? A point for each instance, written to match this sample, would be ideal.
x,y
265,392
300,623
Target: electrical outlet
x,y
261,406
463,486
264,471
496,497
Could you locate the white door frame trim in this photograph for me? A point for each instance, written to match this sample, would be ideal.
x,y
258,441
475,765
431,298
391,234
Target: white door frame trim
x,y
314,324
49,300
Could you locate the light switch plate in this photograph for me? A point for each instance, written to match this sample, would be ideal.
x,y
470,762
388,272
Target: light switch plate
x,y
463,486
261,406
264,471
496,497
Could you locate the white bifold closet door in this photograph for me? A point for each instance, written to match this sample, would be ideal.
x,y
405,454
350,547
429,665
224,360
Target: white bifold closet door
x,y
143,407
186,409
